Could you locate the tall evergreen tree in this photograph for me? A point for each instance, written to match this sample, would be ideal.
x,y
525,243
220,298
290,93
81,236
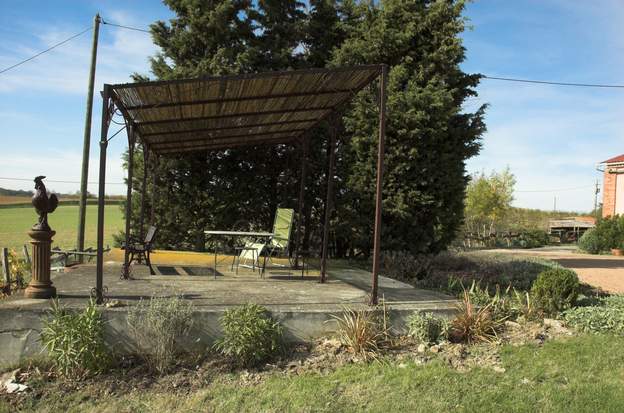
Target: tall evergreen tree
x,y
429,136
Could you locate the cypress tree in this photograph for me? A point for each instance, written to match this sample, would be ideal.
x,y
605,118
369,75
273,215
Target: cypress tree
x,y
429,136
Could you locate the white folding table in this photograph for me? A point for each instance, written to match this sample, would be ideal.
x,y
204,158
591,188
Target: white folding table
x,y
234,234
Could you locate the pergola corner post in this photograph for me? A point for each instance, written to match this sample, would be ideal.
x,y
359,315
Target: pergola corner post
x,y
131,141
154,164
331,149
305,145
378,195
143,191
106,116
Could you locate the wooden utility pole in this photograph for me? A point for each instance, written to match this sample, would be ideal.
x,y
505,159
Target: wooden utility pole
x,y
87,139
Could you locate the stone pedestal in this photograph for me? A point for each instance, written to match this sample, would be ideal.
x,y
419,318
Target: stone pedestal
x,y
40,285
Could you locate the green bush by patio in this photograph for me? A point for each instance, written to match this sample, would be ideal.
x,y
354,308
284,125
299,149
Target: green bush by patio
x,y
555,290
158,324
427,328
250,335
75,340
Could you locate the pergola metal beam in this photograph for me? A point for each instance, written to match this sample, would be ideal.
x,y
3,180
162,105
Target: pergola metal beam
x,y
237,99
200,140
235,115
229,127
226,145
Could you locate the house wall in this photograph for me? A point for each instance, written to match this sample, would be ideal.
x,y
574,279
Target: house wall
x,y
610,196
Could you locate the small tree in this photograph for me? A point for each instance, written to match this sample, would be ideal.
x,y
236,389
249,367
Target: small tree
x,y
488,200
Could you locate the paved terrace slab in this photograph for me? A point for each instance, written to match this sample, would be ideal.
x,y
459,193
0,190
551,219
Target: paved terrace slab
x,y
281,289
304,307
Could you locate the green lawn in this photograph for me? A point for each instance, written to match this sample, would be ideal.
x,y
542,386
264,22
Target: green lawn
x,y
15,223
581,374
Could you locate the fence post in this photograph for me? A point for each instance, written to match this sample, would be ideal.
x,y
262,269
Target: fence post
x,y
26,254
7,274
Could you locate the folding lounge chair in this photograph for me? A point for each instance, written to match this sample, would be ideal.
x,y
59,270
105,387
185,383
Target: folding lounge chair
x,y
276,246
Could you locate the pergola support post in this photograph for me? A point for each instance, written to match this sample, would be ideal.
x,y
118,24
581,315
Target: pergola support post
x,y
378,195
153,194
131,140
106,115
143,191
305,144
331,149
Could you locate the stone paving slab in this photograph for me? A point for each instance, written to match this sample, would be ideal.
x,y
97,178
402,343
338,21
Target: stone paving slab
x,y
304,307
280,289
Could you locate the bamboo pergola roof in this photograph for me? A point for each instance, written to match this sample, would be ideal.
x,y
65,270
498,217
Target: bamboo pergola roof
x,y
228,111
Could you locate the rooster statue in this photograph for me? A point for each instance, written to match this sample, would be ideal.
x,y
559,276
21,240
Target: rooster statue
x,y
44,204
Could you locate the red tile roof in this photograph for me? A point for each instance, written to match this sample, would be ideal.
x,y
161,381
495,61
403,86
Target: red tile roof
x,y
617,159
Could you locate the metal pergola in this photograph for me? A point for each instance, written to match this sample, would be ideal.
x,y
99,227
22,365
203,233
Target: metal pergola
x,y
174,117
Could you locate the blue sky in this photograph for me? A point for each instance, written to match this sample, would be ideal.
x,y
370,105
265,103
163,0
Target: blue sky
x,y
551,137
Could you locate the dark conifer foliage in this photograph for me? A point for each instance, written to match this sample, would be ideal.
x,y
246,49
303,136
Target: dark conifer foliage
x,y
429,135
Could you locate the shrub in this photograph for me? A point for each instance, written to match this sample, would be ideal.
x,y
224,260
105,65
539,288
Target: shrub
x,y
500,303
427,328
608,233
75,340
606,317
531,238
473,325
250,335
524,306
19,270
451,272
157,325
362,331
402,265
591,242
555,290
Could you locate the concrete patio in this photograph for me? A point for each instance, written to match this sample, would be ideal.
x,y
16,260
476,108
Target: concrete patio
x,y
303,305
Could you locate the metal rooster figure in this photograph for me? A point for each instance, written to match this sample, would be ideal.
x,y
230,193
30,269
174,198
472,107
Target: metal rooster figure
x,y
44,205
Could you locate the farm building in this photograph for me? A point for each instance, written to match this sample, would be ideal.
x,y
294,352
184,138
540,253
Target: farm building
x,y
613,186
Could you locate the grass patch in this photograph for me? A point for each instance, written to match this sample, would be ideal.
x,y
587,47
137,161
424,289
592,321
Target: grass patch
x,y
584,373
15,222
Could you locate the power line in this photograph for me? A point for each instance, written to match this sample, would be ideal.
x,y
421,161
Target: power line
x,y
45,51
125,27
560,190
58,182
545,82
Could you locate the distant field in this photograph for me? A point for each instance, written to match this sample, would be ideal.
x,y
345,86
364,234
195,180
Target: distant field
x,y
16,221
6,199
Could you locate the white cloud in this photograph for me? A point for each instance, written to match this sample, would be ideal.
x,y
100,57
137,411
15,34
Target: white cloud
x,y
65,69
59,166
551,138
62,76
